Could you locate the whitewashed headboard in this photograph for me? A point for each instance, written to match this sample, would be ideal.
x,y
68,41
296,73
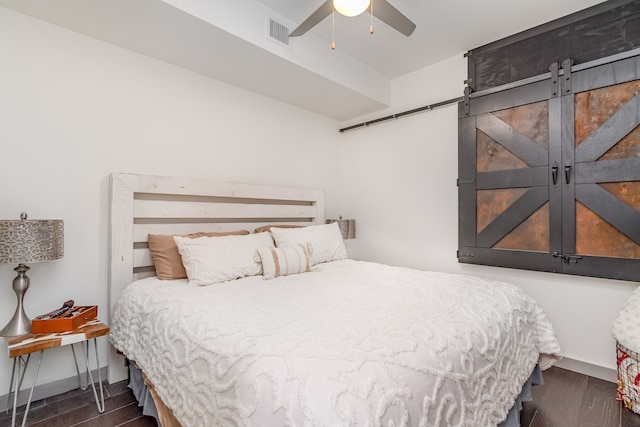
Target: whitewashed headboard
x,y
145,204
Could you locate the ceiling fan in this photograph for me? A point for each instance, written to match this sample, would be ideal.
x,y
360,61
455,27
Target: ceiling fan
x,y
383,11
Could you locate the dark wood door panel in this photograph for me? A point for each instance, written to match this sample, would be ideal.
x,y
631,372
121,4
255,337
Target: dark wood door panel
x,y
466,181
530,260
611,209
532,234
608,74
606,267
504,202
529,177
597,237
521,95
519,144
607,175
608,171
620,124
511,217
512,175
550,170
602,30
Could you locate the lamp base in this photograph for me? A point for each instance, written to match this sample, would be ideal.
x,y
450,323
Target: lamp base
x,y
20,323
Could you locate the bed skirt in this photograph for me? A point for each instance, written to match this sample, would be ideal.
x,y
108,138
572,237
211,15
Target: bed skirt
x,y
146,397
513,417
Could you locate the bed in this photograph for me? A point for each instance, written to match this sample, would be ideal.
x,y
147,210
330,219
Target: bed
x,y
321,340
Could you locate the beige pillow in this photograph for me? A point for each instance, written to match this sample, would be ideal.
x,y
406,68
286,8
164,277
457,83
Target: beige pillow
x,y
210,260
266,228
325,240
166,257
278,262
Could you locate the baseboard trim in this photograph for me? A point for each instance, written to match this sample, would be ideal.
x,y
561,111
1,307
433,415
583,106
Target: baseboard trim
x,y
590,369
54,388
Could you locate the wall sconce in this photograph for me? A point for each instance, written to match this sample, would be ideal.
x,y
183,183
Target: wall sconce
x,y
22,242
347,227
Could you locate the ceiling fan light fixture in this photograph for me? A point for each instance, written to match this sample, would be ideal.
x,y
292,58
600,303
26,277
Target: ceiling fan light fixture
x,y
351,7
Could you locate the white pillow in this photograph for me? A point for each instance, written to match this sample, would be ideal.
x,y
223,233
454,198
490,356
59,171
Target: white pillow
x,y
283,261
209,260
325,240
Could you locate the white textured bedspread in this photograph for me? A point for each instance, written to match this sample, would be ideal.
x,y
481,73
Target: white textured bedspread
x,y
352,344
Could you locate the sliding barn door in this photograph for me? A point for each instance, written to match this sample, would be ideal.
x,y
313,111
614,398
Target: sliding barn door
x,y
549,173
605,143
507,144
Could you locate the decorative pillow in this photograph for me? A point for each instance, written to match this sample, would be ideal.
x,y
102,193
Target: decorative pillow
x,y
283,261
166,257
325,240
210,260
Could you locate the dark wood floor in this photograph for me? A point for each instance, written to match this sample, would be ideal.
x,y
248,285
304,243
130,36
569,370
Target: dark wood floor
x,y
78,408
566,399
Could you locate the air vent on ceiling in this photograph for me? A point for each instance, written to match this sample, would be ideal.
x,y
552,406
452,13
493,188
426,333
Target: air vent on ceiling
x,y
278,32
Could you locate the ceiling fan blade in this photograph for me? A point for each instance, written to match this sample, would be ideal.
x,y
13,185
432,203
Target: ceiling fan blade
x,y
392,17
313,20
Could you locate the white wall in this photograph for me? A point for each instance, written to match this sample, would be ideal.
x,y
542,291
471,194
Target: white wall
x,y
74,109
400,184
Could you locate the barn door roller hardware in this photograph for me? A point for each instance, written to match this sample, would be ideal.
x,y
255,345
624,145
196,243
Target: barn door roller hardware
x,y
467,92
554,79
566,81
554,68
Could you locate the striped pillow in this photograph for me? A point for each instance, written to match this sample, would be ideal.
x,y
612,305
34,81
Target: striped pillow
x,y
283,261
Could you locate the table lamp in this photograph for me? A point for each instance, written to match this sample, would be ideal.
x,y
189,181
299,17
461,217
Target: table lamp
x,y
26,241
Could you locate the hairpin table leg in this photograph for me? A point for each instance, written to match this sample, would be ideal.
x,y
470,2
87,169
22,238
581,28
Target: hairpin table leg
x,y
16,387
13,373
35,377
17,378
85,351
83,387
20,364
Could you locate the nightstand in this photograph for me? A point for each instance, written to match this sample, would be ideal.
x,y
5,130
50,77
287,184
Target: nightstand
x,y
22,347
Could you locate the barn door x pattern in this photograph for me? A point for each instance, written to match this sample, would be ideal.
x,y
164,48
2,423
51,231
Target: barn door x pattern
x,y
549,173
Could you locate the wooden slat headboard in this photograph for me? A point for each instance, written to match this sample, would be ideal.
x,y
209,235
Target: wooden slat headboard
x,y
145,204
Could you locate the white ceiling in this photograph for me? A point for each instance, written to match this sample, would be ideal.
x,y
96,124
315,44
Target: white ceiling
x,y
443,28
226,40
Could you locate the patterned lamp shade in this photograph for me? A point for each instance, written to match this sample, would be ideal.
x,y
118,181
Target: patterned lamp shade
x,y
23,242
347,227
26,241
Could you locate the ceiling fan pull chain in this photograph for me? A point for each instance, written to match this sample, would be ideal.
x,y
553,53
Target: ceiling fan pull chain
x,y
388,15
371,26
333,29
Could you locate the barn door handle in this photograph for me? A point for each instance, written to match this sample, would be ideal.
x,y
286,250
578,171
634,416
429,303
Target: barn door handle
x,y
567,173
554,174
567,259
